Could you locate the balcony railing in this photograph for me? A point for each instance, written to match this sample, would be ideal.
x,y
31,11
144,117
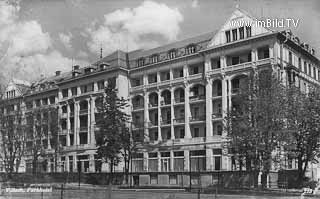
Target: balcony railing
x,y
197,97
178,120
83,111
138,106
83,128
153,124
198,118
165,102
165,122
153,105
216,115
179,100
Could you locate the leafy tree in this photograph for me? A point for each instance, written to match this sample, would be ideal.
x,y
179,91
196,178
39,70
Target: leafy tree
x,y
40,122
113,131
255,122
12,137
303,125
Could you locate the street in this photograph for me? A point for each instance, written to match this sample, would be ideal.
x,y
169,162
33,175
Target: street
x,y
102,194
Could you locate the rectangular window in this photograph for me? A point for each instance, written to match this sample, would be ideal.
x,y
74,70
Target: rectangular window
x,y
299,63
228,37
65,93
309,69
100,85
290,58
305,67
74,91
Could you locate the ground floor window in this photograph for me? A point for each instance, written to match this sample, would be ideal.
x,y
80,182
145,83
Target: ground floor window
x,y
178,161
198,160
172,179
153,179
83,163
137,162
70,163
165,161
153,162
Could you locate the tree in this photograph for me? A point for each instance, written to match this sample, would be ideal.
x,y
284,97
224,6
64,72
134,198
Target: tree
x,y
256,122
42,128
303,125
113,128
12,137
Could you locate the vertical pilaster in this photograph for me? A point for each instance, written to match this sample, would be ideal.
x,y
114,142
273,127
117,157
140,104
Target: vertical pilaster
x,y
172,114
68,125
89,122
254,54
159,116
187,111
76,123
146,116
93,122
145,161
208,108
171,161
224,101
186,160
209,160
159,161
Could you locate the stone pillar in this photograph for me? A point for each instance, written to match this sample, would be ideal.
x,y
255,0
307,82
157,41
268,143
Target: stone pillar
x,y
76,123
224,101
229,93
67,164
68,125
159,117
171,160
185,71
93,121
145,161
91,163
159,161
95,86
209,160
254,54
78,90
271,51
209,132
187,111
172,114
89,122
75,168
186,160
146,116
223,61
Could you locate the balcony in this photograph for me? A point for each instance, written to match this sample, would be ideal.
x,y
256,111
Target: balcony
x,y
216,115
83,111
137,125
197,118
152,124
83,128
165,122
178,120
153,105
165,102
179,100
197,97
137,106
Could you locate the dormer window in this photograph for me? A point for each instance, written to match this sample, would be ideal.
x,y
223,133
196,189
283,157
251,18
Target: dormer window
x,y
103,66
241,33
172,54
140,62
190,49
154,59
88,70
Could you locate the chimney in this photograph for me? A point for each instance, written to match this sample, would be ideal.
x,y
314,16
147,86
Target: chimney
x,y
58,72
76,67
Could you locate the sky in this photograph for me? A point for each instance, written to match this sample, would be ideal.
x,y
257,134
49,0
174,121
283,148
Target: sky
x,y
38,37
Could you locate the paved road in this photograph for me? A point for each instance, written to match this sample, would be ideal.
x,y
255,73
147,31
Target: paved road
x,y
102,194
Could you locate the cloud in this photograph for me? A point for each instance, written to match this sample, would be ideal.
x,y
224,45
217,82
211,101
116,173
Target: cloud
x,y
133,28
195,3
66,40
26,50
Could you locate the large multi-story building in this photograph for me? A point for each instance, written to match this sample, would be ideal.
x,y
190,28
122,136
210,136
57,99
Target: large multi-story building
x,y
180,94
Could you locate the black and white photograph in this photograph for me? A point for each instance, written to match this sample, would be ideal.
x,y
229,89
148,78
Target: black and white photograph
x,y
159,99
